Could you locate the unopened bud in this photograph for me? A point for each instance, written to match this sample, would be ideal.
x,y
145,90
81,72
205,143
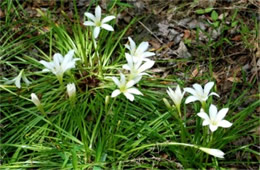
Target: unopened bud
x,y
107,100
35,100
167,104
71,90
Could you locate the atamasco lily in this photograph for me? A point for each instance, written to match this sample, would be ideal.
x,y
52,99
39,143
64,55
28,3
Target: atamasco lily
x,y
176,96
200,94
97,22
137,70
71,90
215,118
35,99
139,53
17,80
125,87
60,64
215,152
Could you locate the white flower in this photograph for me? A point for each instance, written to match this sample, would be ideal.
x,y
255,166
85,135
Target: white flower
x,y
17,80
97,22
215,118
176,95
137,69
125,87
140,53
215,152
199,94
71,90
60,64
35,99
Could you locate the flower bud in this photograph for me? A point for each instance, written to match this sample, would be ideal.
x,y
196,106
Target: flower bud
x,y
167,104
35,100
107,100
71,90
215,152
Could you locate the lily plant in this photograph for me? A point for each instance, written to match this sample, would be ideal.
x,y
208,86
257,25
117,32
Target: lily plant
x,y
140,52
137,70
215,118
176,97
200,94
60,64
17,80
97,22
125,87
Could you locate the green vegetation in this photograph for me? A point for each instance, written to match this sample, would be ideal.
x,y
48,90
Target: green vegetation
x,y
97,131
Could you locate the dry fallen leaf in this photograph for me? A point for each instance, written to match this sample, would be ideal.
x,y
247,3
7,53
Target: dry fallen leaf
x,y
155,44
234,79
186,34
236,38
182,51
195,72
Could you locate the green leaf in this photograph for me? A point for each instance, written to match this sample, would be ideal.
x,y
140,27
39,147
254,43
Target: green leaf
x,y
214,15
233,24
200,11
207,10
216,24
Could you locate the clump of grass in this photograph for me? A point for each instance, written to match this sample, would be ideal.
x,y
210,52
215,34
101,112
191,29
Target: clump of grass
x,y
93,130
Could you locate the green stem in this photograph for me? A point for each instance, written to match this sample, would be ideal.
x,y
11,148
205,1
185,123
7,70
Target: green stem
x,y
100,71
203,103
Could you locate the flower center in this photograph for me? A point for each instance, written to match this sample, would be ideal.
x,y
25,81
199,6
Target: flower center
x,y
215,123
123,88
98,23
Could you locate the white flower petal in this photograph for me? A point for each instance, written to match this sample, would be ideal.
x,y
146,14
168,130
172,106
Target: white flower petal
x,y
18,82
107,27
90,16
137,78
46,70
146,66
98,13
129,59
148,54
122,78
27,82
128,47
203,115
142,47
130,84
89,23
96,31
191,91
208,87
108,18
57,59
213,112
134,91
213,127
48,65
115,93
68,57
205,123
198,88
213,93
126,67
225,124
116,81
132,43
221,114
191,99
129,96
